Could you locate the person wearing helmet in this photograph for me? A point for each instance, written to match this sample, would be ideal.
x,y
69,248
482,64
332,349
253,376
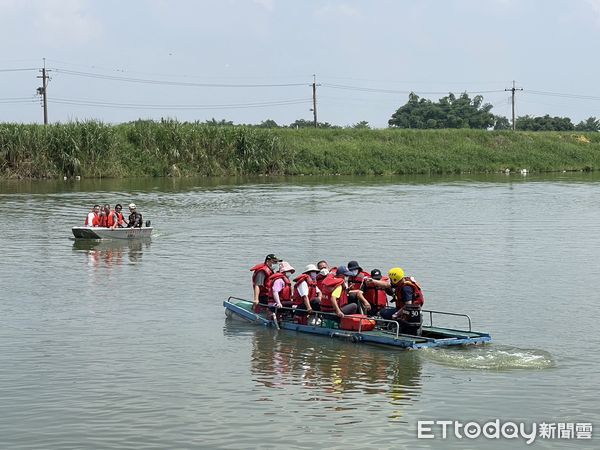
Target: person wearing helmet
x,y
307,295
135,218
403,289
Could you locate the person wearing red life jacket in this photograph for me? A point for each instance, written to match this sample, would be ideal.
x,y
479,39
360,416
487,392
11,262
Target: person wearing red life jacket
x,y
103,218
307,296
279,287
335,293
355,283
404,291
260,274
93,217
375,295
118,219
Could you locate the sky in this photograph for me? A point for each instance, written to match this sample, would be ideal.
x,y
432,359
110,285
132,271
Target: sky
x,y
252,60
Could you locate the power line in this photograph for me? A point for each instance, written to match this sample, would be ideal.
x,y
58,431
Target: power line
x,y
170,83
560,94
20,69
393,91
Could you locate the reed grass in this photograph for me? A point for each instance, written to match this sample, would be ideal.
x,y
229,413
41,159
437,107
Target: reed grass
x,y
172,148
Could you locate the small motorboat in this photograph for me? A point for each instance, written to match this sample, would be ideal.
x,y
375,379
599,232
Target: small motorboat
x,y
111,233
359,328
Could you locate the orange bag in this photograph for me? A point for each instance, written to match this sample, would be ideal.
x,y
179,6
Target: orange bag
x,y
352,322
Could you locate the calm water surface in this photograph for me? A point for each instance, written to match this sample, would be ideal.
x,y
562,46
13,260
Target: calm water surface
x,y
108,346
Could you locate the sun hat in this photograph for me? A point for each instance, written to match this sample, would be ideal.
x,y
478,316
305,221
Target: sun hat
x,y
285,266
310,268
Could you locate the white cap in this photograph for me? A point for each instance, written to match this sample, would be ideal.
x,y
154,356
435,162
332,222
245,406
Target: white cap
x,y
310,268
132,206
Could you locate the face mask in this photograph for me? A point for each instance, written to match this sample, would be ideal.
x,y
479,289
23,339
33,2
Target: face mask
x,y
313,276
354,272
288,274
275,267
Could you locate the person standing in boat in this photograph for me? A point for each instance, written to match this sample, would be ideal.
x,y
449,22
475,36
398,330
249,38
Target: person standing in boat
x,y
260,274
93,217
404,291
335,293
279,287
135,218
307,296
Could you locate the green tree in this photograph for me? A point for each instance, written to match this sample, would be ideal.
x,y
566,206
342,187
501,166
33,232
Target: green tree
x,y
590,124
362,125
268,124
502,123
544,123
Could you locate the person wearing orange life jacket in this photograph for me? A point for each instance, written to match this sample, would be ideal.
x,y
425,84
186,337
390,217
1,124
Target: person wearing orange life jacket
x,y
307,296
93,217
404,291
335,293
118,219
375,295
103,220
260,274
279,287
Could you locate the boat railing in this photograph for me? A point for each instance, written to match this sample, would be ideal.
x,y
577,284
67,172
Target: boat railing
x,y
432,312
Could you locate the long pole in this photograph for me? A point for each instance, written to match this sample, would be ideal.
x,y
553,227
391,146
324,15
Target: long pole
x,y
43,90
314,92
513,89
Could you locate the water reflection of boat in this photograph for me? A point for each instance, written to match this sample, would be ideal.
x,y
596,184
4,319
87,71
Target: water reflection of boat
x,y
382,334
111,252
329,370
111,233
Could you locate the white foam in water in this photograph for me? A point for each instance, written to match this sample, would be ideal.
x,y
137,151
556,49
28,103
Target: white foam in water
x,y
491,357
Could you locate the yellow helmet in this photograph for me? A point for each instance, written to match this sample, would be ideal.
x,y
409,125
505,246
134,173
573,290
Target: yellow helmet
x,y
396,274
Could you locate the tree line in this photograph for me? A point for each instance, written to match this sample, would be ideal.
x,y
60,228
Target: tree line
x,y
450,111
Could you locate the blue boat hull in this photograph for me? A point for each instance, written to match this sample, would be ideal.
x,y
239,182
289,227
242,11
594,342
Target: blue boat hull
x,y
431,336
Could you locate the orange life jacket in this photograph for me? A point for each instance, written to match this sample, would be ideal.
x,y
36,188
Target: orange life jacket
x,y
268,272
103,221
119,217
110,219
417,292
312,288
94,221
330,283
285,295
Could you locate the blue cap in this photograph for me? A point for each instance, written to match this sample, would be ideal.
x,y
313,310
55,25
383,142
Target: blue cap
x,y
343,270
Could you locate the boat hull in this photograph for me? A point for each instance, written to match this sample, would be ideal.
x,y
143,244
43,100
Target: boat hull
x,y
431,336
111,233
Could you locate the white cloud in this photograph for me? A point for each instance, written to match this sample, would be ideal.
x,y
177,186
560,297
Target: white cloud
x,y
266,4
337,10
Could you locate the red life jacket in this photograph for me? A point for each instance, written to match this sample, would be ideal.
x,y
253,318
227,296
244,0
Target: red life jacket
x,y
94,221
268,272
110,219
285,295
103,221
120,219
312,288
417,295
330,283
355,283
376,296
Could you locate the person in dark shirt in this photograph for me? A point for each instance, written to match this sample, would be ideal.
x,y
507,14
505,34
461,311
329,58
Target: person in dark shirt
x,y
135,218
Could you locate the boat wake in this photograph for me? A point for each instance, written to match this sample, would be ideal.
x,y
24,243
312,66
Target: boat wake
x,y
491,357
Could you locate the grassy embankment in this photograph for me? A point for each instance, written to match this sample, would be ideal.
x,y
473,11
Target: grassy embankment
x,y
169,148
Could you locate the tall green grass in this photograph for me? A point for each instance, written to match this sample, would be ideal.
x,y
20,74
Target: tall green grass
x,y
172,148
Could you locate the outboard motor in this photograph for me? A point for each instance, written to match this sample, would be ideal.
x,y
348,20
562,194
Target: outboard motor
x,y
410,319
148,223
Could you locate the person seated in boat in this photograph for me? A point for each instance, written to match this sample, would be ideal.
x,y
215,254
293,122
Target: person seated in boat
x,y
104,216
93,217
323,265
260,274
307,296
355,283
375,295
407,295
135,218
118,219
279,287
335,293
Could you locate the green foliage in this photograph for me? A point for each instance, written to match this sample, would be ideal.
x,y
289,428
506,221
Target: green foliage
x,y
590,124
302,123
502,123
449,112
545,123
362,125
172,148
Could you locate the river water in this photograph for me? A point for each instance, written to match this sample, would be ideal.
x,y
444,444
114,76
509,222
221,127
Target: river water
x,y
108,346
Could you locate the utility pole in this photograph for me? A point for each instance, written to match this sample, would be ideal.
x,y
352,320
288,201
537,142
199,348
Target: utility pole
x,y
42,90
513,89
314,92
